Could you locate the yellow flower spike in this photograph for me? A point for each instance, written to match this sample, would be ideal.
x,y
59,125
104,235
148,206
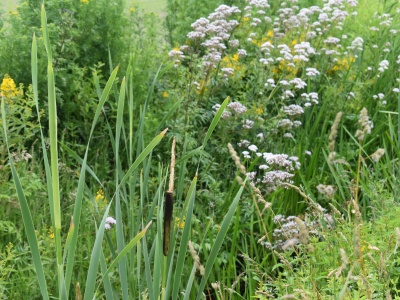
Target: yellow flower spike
x,y
8,87
100,199
180,223
51,233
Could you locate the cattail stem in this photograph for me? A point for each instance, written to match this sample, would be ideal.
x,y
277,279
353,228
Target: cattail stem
x,y
169,203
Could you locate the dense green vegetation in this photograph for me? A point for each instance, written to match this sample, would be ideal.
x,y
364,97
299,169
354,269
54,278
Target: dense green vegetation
x,y
222,150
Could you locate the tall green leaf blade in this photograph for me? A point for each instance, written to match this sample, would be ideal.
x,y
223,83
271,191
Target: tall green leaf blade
x,y
26,216
95,259
118,210
215,121
71,249
185,240
142,156
44,150
218,242
127,248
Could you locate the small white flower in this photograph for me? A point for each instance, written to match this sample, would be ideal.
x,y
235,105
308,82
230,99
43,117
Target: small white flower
x,y
109,221
242,52
246,154
243,143
288,135
248,124
312,72
253,148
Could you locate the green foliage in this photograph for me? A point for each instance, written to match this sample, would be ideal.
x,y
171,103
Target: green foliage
x,y
308,103
20,116
347,261
182,13
80,42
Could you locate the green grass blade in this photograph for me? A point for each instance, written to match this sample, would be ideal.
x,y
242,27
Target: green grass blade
x,y
26,216
218,242
55,199
71,247
189,284
170,113
127,248
185,240
149,278
108,290
95,259
215,121
80,161
122,262
44,150
142,156
103,98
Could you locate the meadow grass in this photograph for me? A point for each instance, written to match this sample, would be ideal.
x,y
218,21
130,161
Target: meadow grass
x,y
9,5
257,160
156,6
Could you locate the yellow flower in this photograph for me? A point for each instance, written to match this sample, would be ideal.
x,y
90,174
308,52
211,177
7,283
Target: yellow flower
x,y
245,19
132,10
259,110
165,94
51,233
294,42
100,200
8,87
270,33
235,57
85,1
342,64
180,223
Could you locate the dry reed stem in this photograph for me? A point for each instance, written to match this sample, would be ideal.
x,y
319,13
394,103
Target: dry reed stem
x,y
172,168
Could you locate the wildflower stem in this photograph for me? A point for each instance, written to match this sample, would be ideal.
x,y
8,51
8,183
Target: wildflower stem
x,y
358,222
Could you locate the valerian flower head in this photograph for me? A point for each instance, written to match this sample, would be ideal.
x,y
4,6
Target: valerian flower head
x,y
110,221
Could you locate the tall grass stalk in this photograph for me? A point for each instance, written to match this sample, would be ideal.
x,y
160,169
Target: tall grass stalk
x,y
55,197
